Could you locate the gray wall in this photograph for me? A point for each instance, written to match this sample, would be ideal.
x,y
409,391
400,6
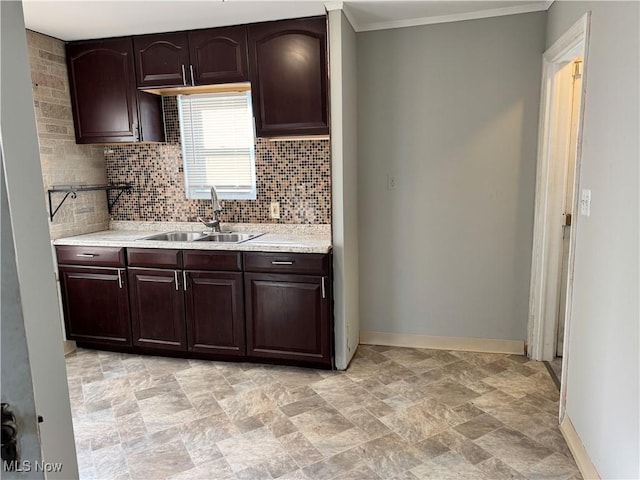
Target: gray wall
x,y
34,260
603,365
344,162
451,110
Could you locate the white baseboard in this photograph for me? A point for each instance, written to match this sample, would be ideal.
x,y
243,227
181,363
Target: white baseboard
x,y
485,345
580,455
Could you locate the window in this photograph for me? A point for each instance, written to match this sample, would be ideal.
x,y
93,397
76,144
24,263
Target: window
x,y
218,145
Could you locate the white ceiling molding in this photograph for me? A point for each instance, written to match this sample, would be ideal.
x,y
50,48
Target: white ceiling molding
x,y
330,6
413,22
350,18
340,6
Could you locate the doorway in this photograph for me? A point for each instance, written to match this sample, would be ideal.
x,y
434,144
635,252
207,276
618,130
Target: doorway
x,y
557,187
569,79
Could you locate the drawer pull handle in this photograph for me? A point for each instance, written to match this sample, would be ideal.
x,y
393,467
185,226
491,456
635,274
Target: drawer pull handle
x,y
275,262
184,280
175,275
324,293
119,278
86,255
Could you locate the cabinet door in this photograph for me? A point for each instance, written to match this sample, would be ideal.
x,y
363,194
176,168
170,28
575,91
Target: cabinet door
x,y
288,71
102,85
151,117
162,60
157,308
96,305
219,55
215,313
287,317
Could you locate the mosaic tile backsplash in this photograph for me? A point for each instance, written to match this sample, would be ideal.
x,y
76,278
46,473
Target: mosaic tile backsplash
x,y
296,173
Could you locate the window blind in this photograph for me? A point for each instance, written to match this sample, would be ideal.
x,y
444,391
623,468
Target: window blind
x,y
218,144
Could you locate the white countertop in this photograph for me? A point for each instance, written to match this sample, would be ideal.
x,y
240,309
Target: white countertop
x,y
286,240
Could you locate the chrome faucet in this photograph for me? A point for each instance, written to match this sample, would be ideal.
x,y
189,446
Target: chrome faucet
x,y
214,223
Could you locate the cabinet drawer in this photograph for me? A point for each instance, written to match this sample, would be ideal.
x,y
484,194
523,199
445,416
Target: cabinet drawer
x,y
221,261
154,258
304,263
93,256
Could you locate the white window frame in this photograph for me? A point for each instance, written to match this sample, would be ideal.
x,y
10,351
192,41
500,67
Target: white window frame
x,y
204,191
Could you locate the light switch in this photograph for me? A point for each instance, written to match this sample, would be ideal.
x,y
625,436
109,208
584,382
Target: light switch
x,y
585,202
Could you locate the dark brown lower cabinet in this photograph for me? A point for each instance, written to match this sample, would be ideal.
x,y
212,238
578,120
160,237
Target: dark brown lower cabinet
x,y
288,317
96,304
215,312
157,309
218,305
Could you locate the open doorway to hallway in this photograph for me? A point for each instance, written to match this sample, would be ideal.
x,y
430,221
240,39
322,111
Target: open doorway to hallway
x,y
565,67
569,83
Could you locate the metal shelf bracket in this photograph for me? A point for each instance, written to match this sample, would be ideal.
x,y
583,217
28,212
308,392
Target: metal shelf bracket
x,y
72,191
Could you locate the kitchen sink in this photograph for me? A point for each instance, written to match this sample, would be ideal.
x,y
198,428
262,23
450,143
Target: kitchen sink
x,y
228,237
231,237
176,236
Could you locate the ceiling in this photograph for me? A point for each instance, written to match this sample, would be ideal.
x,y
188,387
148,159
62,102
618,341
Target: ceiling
x,y
77,19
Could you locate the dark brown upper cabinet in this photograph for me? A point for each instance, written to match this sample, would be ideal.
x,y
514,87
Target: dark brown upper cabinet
x,y
219,55
107,108
198,57
288,72
162,59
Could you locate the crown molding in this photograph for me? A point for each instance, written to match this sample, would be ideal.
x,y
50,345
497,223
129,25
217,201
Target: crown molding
x,y
330,6
413,22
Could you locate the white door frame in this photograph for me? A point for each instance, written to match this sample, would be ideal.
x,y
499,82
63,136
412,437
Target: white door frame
x,y
547,232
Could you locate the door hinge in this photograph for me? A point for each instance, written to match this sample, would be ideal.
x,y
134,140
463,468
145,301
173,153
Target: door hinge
x,y
577,70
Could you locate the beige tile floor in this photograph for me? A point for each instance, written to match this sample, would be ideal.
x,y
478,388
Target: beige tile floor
x,y
396,413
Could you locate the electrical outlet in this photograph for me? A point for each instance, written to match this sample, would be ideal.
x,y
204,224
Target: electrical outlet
x,y
392,182
274,210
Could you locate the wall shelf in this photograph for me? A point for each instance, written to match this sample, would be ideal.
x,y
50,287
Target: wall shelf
x,y
72,190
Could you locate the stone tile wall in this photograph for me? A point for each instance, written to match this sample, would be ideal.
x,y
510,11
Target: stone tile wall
x,y
295,173
63,161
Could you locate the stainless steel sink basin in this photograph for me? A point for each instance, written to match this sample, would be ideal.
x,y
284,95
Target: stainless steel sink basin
x,y
176,236
228,237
